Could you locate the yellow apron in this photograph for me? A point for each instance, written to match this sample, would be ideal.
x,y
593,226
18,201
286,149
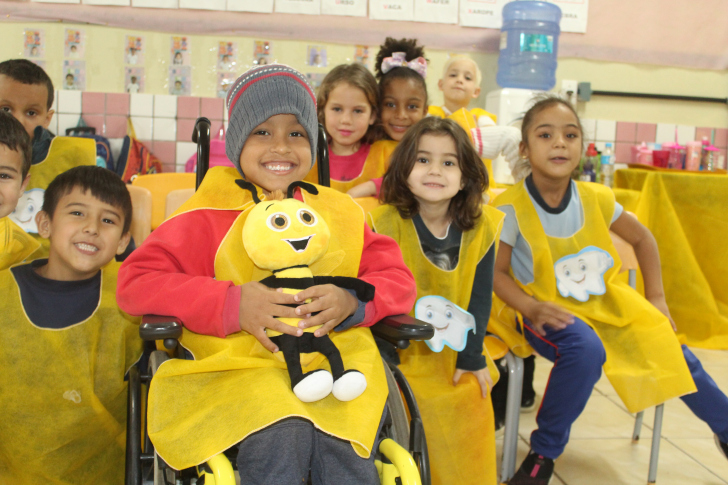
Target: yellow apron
x,y
63,392
374,167
645,363
458,422
15,244
468,120
64,153
235,387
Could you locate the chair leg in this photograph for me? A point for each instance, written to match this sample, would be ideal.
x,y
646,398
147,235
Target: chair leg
x,y
637,426
655,453
513,411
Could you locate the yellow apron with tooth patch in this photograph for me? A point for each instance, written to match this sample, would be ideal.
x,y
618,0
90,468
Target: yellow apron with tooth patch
x,y
235,387
458,422
64,153
15,244
63,393
375,166
645,363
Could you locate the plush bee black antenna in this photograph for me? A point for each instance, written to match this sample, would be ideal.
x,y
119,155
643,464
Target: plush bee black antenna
x,y
244,184
310,188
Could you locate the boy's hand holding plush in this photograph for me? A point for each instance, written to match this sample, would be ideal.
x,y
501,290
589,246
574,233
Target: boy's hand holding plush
x,y
265,305
333,304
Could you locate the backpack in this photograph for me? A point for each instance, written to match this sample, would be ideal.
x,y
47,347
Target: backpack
x,y
135,159
104,158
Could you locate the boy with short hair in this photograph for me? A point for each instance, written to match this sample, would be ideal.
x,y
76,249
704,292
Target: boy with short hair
x,y
15,154
195,267
64,343
26,92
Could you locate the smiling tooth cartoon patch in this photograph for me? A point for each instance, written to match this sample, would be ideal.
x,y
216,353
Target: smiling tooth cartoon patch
x,y
582,274
451,322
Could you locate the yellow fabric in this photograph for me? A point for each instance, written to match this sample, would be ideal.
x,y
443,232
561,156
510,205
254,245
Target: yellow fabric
x,y
235,386
64,153
15,244
686,214
374,167
458,421
63,392
468,119
644,361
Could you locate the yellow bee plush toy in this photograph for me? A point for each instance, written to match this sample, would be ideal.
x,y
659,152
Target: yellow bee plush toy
x,y
286,236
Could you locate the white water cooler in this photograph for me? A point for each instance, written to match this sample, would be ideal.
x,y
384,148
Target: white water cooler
x,y
509,105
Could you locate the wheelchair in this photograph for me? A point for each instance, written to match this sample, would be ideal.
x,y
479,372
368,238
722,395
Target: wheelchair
x,y
402,454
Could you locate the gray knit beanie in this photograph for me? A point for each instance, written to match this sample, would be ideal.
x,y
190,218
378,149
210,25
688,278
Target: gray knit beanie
x,y
265,91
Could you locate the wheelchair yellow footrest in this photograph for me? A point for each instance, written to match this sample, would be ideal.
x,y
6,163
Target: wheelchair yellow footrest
x,y
402,464
221,471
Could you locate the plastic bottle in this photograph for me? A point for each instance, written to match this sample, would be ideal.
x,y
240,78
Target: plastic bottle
x,y
708,156
591,163
606,173
529,45
692,157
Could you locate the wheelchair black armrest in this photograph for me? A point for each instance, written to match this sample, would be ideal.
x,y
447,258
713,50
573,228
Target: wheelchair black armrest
x,y
398,330
160,327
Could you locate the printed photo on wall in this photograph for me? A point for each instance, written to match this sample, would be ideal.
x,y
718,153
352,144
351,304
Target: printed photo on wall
x,y
74,75
224,81
134,80
34,43
134,50
74,44
315,79
180,80
227,56
316,56
361,54
262,52
180,51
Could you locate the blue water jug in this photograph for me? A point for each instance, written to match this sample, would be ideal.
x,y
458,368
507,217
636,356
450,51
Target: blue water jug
x,y
529,44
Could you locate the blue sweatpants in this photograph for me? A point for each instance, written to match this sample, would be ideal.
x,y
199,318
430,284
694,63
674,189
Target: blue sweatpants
x,y
578,356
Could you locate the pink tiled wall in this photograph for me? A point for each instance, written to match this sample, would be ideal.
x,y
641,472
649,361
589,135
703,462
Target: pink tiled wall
x,y
163,123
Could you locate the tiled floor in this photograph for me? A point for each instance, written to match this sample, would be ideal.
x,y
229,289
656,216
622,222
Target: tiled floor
x,y
601,450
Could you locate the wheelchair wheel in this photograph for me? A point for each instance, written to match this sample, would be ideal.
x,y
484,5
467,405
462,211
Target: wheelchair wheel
x,y
400,423
163,475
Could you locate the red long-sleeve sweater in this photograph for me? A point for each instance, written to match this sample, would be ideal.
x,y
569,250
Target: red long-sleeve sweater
x,y
172,273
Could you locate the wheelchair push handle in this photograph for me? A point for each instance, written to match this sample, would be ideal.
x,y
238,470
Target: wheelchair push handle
x,y
201,136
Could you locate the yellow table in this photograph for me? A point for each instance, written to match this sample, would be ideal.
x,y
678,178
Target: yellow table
x,y
688,215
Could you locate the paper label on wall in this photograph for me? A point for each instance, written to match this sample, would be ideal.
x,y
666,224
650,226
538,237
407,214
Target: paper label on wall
x,y
134,80
353,8
224,81
180,51
574,14
121,3
482,13
262,6
34,43
361,55
227,56
134,50
308,7
57,1
316,56
391,9
206,5
74,75
180,80
155,3
74,44
262,53
437,11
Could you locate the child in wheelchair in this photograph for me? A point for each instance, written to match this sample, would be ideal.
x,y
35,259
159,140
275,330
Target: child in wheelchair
x,y
65,346
195,267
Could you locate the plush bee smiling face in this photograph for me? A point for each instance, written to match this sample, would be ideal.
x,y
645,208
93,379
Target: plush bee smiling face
x,y
279,234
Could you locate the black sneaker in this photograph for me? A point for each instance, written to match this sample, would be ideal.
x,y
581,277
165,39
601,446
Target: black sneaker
x,y
500,427
723,447
535,470
528,404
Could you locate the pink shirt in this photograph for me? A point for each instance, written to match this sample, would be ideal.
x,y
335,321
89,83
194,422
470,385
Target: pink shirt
x,y
348,167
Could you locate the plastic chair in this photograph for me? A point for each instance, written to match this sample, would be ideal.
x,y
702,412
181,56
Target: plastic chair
x,y
630,264
161,184
175,199
141,222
